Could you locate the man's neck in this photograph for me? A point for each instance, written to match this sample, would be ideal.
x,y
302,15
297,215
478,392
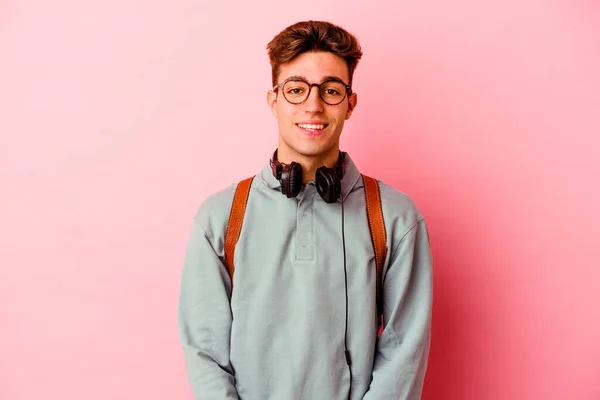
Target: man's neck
x,y
309,164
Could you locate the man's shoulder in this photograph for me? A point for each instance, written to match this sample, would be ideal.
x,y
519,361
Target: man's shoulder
x,y
399,208
396,199
213,212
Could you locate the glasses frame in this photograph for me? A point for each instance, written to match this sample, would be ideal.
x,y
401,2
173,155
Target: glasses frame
x,y
310,86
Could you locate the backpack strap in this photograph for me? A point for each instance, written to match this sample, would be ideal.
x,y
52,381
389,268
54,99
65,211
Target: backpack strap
x,y
378,234
236,218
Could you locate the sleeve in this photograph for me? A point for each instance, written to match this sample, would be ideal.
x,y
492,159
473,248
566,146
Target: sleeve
x,y
403,347
204,319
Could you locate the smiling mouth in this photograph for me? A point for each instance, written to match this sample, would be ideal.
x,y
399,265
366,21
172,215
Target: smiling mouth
x,y
312,128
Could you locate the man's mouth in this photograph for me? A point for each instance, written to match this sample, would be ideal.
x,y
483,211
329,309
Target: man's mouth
x,y
312,129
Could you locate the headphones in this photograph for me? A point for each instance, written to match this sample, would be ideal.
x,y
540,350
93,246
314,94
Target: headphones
x,y
328,180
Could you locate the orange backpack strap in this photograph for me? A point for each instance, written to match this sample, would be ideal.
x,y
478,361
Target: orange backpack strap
x,y
378,234
236,218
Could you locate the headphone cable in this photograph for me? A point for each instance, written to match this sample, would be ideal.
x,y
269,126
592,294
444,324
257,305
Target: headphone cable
x,y
346,351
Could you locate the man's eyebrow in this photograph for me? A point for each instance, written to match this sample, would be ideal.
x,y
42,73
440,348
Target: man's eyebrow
x,y
332,77
296,77
325,78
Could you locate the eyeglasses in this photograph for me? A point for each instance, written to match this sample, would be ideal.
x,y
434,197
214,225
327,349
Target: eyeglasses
x,y
296,90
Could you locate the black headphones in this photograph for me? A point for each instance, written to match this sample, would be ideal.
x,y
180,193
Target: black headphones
x,y
328,180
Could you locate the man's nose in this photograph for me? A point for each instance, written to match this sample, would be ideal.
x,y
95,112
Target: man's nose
x,y
314,102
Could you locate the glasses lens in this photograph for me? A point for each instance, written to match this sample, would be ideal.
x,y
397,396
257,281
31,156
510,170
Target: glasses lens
x,y
295,91
333,92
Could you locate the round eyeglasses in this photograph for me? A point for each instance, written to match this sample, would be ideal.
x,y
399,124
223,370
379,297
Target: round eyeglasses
x,y
331,91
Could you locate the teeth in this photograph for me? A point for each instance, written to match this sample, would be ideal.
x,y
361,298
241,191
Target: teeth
x,y
311,126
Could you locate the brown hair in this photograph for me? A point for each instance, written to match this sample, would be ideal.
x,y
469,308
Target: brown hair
x,y
313,36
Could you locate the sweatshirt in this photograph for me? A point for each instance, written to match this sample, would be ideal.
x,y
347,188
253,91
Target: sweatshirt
x,y
279,332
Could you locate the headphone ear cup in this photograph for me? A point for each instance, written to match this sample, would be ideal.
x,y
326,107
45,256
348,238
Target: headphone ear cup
x,y
291,180
329,185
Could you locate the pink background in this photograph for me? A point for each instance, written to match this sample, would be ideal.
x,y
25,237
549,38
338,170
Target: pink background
x,y
116,119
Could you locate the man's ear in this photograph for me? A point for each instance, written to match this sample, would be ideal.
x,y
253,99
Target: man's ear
x,y
272,102
352,102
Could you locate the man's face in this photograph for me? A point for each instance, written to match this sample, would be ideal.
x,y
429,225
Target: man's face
x,y
297,139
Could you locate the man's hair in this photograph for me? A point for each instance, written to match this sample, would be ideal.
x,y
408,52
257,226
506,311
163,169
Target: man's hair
x,y
318,36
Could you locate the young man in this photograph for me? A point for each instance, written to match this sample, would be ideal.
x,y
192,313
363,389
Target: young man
x,y
296,318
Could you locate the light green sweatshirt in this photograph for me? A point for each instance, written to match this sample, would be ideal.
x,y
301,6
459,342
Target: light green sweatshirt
x,y
280,333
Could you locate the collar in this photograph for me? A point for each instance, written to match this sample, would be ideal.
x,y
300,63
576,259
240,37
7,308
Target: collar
x,y
351,177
